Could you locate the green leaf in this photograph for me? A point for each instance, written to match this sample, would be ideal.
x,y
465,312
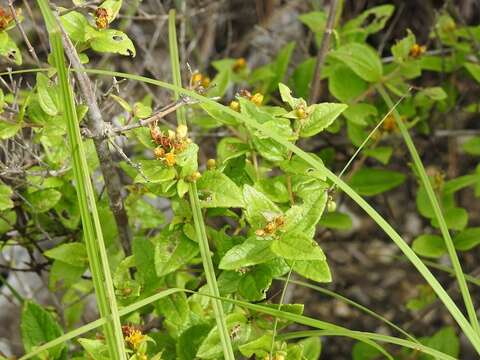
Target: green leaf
x,y
251,252
345,85
144,253
372,181
259,209
9,49
254,284
172,251
359,113
362,59
144,215
76,26
445,341
302,76
113,41
467,239
38,327
456,218
141,110
381,153
96,349
321,117
5,197
229,148
472,146
401,49
190,340
257,346
113,6
368,22
312,348
44,88
211,347
336,220
286,95
431,246
474,70
362,351
217,190
316,270
297,246
155,172
43,200
73,254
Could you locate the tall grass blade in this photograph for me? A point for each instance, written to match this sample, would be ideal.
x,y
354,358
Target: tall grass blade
x,y
195,205
96,251
462,283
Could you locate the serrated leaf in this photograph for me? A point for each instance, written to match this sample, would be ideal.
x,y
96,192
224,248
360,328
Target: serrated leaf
x,y
251,252
431,246
361,59
43,200
5,197
316,270
9,49
73,253
45,98
113,41
321,117
372,181
172,252
259,209
38,327
297,246
217,190
155,172
255,283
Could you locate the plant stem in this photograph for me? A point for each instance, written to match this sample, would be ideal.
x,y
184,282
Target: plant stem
x,y
196,208
96,126
322,52
93,236
462,283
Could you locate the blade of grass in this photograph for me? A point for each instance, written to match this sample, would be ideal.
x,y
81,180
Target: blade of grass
x,y
195,205
353,303
327,328
95,245
462,283
378,337
470,333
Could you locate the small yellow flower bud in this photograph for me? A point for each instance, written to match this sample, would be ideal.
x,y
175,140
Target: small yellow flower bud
x,y
211,164
301,112
195,176
331,206
235,105
260,232
417,50
239,64
205,81
257,99
196,78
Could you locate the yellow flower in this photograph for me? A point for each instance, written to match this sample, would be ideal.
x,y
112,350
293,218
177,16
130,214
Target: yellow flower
x,y
234,105
257,99
135,338
239,64
416,50
170,159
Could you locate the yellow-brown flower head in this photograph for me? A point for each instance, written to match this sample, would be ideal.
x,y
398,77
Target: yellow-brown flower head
x,y
135,338
389,124
5,19
159,152
239,64
417,50
170,159
101,18
257,99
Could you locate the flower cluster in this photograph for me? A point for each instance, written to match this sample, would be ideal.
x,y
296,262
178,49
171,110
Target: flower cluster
x,y
271,227
5,19
170,143
199,81
133,336
256,98
417,50
101,18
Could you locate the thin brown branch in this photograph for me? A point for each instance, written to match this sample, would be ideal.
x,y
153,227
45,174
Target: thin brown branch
x,y
30,48
96,126
322,52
